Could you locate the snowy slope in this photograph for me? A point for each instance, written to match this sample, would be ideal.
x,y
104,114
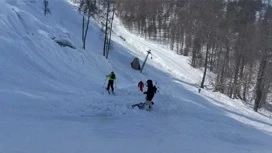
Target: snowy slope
x,y
52,99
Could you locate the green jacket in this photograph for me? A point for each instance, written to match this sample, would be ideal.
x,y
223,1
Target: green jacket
x,y
111,76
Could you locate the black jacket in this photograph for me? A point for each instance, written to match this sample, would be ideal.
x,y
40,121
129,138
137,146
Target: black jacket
x,y
151,90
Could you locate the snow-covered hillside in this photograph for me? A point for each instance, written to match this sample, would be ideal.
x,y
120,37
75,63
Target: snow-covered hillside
x,y
53,99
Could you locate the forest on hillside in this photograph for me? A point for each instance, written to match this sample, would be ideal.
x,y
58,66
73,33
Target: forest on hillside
x,y
232,39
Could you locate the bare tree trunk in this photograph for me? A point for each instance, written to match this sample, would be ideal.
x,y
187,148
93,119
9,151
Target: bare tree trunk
x,y
46,8
188,44
86,32
212,57
205,67
235,79
106,29
230,88
241,77
108,50
220,86
245,88
260,85
83,26
182,44
177,48
196,48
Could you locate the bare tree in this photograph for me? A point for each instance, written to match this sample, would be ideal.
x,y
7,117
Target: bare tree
x,y
89,9
46,7
263,81
110,11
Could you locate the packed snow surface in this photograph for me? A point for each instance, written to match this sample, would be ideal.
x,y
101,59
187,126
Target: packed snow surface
x,y
53,99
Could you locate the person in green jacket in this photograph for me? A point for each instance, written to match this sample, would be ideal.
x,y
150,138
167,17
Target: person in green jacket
x,y
111,77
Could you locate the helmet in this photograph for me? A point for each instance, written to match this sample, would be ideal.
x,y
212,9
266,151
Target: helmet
x,y
149,81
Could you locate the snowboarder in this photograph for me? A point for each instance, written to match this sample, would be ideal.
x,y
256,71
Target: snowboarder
x,y
111,77
141,86
151,90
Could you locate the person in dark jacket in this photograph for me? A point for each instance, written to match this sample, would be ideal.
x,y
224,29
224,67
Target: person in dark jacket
x,y
151,90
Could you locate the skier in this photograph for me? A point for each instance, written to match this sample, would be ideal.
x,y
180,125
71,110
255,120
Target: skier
x,y
141,86
151,90
111,77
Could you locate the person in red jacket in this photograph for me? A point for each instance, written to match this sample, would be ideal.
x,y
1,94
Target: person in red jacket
x,y
141,86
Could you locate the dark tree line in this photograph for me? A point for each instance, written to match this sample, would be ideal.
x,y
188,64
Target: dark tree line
x,y
229,38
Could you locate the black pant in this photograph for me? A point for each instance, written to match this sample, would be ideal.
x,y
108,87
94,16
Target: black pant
x,y
110,85
149,97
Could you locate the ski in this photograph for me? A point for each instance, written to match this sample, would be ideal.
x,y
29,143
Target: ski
x,y
111,93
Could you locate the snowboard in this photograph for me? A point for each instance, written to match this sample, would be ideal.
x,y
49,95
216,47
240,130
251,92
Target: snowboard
x,y
141,106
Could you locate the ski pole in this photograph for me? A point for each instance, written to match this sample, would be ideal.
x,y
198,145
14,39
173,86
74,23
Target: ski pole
x,y
156,84
104,82
116,83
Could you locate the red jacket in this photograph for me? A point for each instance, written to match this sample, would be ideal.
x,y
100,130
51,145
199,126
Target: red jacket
x,y
141,86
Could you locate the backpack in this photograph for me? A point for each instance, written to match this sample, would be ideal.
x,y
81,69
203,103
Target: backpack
x,y
154,89
113,76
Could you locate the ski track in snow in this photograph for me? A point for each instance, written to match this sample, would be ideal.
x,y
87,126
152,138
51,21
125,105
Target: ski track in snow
x,y
53,99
